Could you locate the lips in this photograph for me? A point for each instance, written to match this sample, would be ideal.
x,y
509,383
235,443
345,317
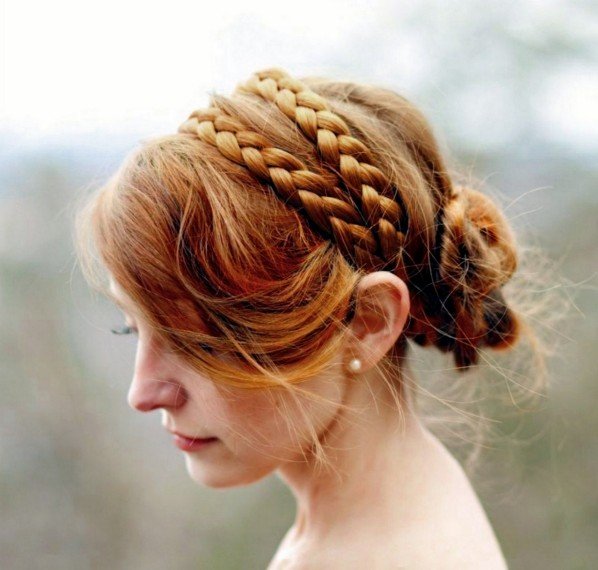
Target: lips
x,y
186,443
190,437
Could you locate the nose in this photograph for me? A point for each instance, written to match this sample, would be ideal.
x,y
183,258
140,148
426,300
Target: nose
x,y
154,383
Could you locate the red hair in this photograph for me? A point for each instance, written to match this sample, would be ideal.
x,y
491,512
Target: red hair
x,y
247,230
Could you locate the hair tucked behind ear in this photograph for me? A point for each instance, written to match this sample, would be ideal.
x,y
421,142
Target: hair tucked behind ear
x,y
247,231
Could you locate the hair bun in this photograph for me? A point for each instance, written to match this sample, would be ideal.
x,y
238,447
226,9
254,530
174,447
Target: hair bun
x,y
476,256
477,246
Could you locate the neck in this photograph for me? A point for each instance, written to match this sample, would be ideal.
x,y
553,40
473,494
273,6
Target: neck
x,y
378,459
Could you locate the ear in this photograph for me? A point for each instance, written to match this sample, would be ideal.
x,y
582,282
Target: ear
x,y
381,311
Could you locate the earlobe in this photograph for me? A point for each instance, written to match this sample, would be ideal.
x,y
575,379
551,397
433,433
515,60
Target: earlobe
x,y
382,308
355,365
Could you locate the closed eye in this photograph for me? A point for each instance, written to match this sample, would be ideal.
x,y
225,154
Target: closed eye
x,y
126,329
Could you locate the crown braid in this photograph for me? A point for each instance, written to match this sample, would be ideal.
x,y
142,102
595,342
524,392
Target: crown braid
x,y
339,150
353,203
377,200
366,232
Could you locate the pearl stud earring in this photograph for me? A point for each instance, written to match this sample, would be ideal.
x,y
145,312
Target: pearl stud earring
x,y
355,365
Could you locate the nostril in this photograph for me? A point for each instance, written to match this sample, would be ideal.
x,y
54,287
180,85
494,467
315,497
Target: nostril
x,y
145,406
140,402
154,394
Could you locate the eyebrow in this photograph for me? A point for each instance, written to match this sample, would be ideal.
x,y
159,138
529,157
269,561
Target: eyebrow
x,y
119,304
118,301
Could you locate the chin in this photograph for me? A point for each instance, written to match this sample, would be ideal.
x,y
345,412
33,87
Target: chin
x,y
226,477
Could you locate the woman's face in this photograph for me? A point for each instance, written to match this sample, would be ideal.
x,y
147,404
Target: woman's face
x,y
256,430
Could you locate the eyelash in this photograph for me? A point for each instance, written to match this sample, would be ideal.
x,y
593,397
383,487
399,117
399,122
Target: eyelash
x,y
125,329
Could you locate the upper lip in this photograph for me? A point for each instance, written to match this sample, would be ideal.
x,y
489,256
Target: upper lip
x,y
189,436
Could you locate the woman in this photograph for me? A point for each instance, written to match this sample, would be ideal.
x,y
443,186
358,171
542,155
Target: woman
x,y
276,257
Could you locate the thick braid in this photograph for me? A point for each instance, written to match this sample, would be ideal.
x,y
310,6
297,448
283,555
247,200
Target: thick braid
x,y
329,132
323,202
377,199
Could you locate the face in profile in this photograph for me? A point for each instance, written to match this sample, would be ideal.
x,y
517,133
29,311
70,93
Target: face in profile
x,y
229,436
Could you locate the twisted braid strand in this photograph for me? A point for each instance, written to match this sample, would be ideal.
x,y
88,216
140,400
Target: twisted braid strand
x,y
325,204
377,199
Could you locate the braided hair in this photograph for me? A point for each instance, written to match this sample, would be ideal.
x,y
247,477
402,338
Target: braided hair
x,y
458,304
252,224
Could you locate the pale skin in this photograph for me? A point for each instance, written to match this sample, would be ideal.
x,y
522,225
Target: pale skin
x,y
394,496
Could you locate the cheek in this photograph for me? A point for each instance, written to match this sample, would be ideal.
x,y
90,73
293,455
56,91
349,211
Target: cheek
x,y
278,423
257,420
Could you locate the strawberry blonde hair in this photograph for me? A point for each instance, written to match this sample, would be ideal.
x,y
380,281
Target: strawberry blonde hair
x,y
245,233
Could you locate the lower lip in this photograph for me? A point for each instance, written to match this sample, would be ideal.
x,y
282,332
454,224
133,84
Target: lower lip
x,y
187,444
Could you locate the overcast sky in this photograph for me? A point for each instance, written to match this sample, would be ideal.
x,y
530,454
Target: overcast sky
x,y
78,68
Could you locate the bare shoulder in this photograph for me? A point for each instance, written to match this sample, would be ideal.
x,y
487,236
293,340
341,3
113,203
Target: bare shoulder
x,y
439,546
463,542
451,529
447,528
456,535
393,557
409,551
444,552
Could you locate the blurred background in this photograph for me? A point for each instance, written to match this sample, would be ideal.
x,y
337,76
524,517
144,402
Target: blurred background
x,y
511,89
